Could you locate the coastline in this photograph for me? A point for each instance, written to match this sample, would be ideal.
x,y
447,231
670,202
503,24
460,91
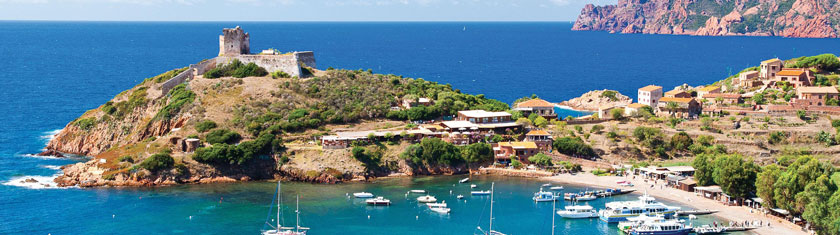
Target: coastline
x,y
733,213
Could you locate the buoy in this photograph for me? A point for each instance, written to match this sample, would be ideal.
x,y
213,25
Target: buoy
x,y
450,192
191,217
113,216
368,216
416,217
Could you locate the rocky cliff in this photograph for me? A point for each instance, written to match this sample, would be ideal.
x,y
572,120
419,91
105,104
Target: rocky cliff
x,y
592,100
786,18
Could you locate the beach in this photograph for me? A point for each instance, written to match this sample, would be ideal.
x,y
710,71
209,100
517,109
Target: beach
x,y
733,213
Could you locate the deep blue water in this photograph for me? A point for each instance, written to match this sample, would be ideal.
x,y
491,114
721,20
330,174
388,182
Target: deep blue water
x,y
52,72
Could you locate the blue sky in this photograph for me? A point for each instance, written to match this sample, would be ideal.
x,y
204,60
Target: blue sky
x,y
295,10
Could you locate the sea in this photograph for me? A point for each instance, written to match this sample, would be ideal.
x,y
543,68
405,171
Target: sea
x,y
52,72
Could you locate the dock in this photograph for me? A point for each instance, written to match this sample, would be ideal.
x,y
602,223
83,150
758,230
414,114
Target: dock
x,y
695,212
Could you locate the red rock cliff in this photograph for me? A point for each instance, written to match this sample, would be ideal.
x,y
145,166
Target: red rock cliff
x,y
786,18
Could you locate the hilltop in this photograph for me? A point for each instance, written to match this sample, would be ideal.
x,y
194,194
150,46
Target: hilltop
x,y
786,18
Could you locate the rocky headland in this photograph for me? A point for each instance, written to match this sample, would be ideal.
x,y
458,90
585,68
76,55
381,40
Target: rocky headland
x,y
592,100
786,18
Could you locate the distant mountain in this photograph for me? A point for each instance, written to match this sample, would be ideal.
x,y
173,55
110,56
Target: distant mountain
x,y
786,18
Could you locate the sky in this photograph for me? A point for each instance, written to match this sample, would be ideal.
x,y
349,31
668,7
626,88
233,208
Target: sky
x,y
294,10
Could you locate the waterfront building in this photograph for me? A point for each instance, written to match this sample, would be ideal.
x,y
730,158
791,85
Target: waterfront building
x,y
504,151
770,67
538,106
685,107
650,95
702,92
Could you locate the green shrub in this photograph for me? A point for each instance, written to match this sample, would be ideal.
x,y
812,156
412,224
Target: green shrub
x,y
681,141
222,136
541,160
158,161
178,97
218,154
573,146
126,159
597,128
205,125
281,74
236,69
85,123
776,137
225,154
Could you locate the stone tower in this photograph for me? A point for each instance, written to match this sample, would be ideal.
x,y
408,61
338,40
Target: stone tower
x,y
234,42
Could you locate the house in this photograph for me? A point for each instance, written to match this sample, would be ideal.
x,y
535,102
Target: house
x,y
481,116
687,185
711,192
745,79
604,111
702,92
633,109
677,94
796,77
408,103
685,107
541,138
724,98
650,95
770,67
504,151
538,106
814,95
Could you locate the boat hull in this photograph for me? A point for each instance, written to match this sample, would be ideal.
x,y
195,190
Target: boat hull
x,y
623,217
684,231
578,215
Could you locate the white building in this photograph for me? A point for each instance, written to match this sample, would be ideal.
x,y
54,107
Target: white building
x,y
650,95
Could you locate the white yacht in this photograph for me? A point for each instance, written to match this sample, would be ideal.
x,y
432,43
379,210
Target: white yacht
x,y
378,201
439,207
363,195
480,193
578,212
278,229
464,180
660,227
544,196
646,205
417,191
427,199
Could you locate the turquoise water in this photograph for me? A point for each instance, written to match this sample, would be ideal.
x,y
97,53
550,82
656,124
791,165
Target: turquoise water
x,y
52,72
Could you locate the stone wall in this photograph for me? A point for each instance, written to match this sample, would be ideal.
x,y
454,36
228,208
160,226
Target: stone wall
x,y
288,63
192,71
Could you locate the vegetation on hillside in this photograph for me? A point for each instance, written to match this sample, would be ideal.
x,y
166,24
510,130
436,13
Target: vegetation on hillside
x,y
236,69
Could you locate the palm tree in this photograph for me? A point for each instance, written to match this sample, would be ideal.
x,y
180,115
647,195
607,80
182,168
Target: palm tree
x,y
672,106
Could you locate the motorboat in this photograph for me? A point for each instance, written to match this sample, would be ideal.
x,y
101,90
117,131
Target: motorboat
x,y
661,227
278,229
439,207
556,188
427,199
363,195
460,196
464,180
544,196
378,201
417,191
579,197
480,193
646,205
635,221
578,212
473,186
587,197
546,185
707,229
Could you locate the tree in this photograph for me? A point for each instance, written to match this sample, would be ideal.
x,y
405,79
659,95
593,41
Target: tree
x,y
817,211
524,122
533,117
515,115
764,184
540,122
514,162
617,113
573,146
758,98
681,141
222,136
703,170
477,153
735,175
649,137
157,162
541,160
672,106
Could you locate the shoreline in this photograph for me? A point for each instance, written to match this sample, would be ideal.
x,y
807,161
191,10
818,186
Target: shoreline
x,y
732,213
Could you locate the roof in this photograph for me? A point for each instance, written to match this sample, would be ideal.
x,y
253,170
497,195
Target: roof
x,y
636,105
459,124
688,181
650,88
817,89
749,72
672,99
680,168
790,73
483,114
519,145
674,92
722,95
709,88
771,61
535,103
713,189
780,211
537,132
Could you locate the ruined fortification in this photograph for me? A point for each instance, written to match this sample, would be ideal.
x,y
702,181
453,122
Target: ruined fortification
x,y
234,44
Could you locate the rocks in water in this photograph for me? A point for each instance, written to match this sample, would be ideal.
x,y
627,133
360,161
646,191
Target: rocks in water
x,y
30,180
50,152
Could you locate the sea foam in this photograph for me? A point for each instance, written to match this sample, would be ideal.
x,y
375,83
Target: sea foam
x,y
44,182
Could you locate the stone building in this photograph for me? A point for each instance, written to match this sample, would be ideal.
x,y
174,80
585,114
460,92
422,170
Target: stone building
x,y
770,67
234,42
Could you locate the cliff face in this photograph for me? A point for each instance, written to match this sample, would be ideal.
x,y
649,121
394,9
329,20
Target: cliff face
x,y
786,18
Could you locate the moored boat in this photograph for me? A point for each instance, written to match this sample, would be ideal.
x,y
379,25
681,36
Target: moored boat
x,y
464,180
480,193
707,229
439,207
378,201
278,229
363,195
577,212
417,191
556,188
427,199
646,205
661,227
544,196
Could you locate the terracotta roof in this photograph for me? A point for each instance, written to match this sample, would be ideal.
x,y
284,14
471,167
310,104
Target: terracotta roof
x,y
817,89
535,103
674,92
722,95
790,73
537,132
519,145
678,100
636,105
771,61
650,88
709,88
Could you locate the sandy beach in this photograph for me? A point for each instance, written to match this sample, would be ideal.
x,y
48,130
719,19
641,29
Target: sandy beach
x,y
777,225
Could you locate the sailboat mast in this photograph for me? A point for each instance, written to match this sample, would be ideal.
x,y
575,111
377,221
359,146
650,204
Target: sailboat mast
x,y
553,206
492,185
278,205
297,211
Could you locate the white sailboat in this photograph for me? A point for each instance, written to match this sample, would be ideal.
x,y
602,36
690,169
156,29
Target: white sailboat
x,y
278,228
490,230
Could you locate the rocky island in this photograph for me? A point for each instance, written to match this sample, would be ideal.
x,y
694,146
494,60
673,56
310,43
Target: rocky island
x,y
786,18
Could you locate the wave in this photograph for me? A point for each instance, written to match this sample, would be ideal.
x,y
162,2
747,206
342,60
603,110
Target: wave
x,y
53,167
49,135
40,182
